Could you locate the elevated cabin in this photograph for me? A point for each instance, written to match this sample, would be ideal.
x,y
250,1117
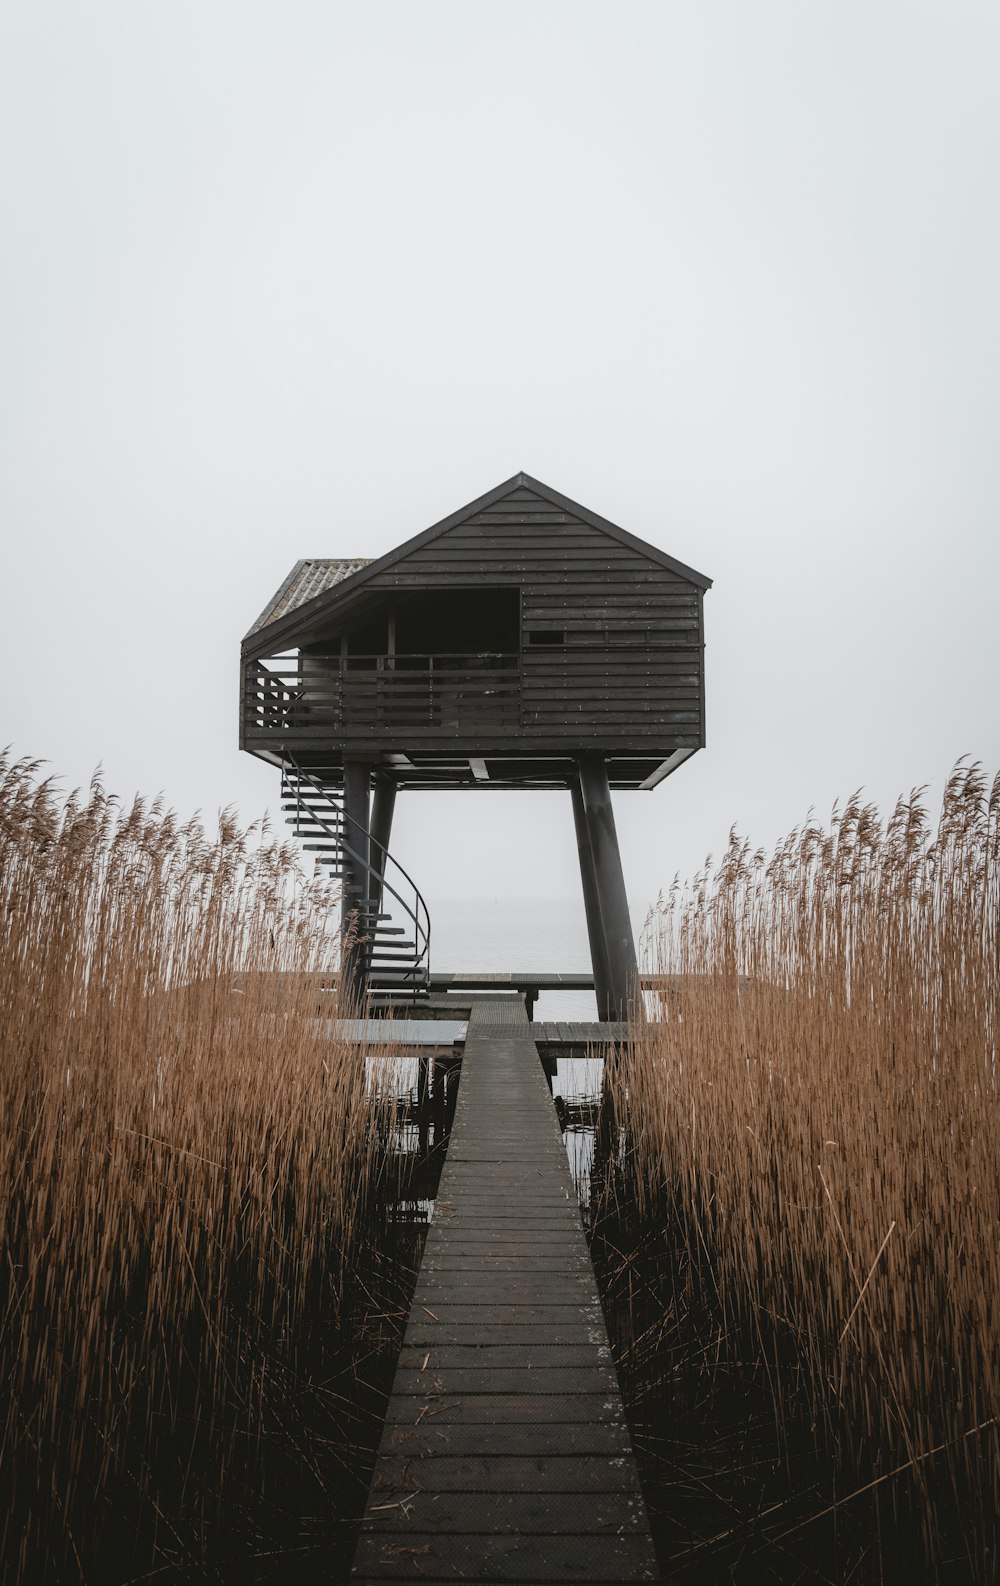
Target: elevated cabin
x,y
524,641
489,651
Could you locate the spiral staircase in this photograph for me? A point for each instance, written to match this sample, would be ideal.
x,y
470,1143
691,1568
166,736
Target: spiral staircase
x,y
388,915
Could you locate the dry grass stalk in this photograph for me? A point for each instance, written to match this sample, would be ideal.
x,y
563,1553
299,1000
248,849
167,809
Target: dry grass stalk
x,y
186,1160
815,1127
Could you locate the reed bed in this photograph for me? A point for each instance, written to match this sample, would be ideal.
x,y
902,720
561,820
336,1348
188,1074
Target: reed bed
x,y
194,1282
797,1205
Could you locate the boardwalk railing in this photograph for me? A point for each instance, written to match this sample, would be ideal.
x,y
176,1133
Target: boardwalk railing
x,y
362,695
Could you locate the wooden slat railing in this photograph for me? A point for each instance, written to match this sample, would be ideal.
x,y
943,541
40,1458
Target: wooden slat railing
x,y
361,694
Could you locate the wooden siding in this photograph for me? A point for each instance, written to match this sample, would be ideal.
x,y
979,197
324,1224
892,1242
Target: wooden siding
x,y
630,665
606,654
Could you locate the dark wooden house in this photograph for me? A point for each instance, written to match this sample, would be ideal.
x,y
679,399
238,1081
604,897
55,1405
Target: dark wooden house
x,y
521,642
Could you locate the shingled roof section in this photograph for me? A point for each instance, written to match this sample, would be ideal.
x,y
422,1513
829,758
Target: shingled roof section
x,y
313,576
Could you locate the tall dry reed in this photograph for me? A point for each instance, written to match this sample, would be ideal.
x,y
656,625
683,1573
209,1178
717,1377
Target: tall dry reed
x,y
814,1155
186,1159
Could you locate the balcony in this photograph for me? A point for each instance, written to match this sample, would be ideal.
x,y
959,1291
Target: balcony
x,y
311,699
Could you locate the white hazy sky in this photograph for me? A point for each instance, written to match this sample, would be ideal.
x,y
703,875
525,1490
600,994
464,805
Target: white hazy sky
x,y
281,280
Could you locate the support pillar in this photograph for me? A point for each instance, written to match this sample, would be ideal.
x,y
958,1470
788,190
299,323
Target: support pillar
x,y
354,881
438,1101
592,905
619,944
383,804
424,1066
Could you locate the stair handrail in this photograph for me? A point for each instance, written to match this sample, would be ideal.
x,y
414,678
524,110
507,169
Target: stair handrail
x,y
422,931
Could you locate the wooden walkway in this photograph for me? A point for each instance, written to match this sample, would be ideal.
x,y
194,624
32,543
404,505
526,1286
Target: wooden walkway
x,y
444,1033
505,1455
577,1034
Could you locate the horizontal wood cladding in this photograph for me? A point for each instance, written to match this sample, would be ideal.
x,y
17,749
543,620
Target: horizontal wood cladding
x,y
625,596
548,671
589,674
489,557
527,540
609,649
610,631
470,571
623,698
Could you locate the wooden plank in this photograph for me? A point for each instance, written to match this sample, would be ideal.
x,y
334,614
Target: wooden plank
x,y
581,1474
487,1333
405,1555
505,1453
520,1513
506,1225
482,1289
581,1034
664,668
533,1438
482,1215
545,1243
502,1244
458,1381
546,1315
479,1355
530,980
495,1409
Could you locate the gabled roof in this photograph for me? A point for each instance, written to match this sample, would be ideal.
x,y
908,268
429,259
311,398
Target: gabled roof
x,y
284,614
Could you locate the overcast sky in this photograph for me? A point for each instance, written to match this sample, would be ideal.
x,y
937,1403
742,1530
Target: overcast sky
x,y
299,279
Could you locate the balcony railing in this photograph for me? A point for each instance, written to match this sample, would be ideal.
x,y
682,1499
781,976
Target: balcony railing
x,y
359,695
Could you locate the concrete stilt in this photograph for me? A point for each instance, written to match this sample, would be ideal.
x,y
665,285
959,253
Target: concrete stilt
x,y
354,896
592,906
383,804
619,944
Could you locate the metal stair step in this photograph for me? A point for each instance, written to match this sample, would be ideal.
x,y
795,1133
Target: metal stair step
x,y
397,970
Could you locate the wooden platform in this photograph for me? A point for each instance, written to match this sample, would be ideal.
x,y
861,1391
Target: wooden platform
x,y
445,1033
510,980
505,1455
576,1033
530,982
534,980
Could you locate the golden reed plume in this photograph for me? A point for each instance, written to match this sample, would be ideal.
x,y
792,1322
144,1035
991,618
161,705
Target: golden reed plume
x,y
812,1130
186,1159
